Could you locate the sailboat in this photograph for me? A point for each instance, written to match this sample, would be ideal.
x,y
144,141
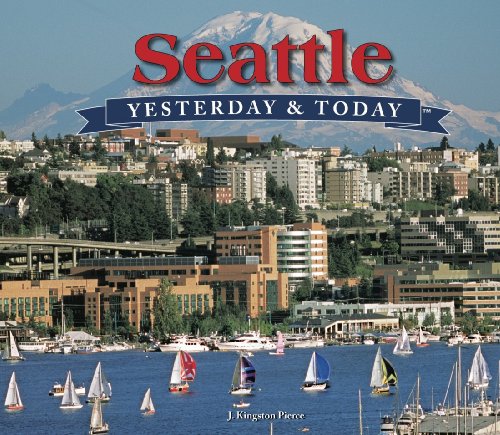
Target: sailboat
x,y
70,399
479,376
403,344
421,339
97,424
183,371
13,400
243,377
147,404
280,346
100,388
383,375
318,374
11,351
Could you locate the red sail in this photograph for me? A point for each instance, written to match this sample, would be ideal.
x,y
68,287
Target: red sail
x,y
188,367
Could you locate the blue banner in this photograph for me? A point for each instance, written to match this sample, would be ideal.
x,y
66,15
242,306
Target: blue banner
x,y
401,113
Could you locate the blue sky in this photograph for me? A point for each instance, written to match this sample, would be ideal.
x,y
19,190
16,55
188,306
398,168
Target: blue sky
x,y
450,47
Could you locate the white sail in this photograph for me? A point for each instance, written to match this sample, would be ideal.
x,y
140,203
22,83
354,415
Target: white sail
x,y
11,350
96,418
311,370
70,397
147,402
377,379
13,397
175,378
479,376
100,387
403,343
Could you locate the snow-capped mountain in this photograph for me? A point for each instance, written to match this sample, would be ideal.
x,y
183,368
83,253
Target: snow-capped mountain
x,y
54,112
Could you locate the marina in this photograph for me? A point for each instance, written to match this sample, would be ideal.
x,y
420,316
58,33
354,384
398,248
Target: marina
x,y
205,408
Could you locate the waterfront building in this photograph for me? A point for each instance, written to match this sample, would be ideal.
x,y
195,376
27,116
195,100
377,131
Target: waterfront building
x,y
414,309
453,239
475,289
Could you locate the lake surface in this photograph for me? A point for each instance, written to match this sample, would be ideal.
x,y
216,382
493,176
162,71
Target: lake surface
x,y
205,409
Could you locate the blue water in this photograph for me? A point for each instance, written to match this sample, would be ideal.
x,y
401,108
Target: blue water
x,y
205,409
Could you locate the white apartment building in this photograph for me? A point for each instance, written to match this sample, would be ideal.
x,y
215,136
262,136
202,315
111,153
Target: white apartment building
x,y
248,184
298,174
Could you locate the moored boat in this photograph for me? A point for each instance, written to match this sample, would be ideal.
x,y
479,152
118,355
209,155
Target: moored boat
x,y
183,372
58,390
185,344
303,341
318,374
249,341
241,404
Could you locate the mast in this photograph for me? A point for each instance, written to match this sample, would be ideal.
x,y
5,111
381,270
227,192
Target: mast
x,y
418,405
360,413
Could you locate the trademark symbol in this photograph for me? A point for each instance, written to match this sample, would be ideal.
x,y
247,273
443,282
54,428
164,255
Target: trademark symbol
x,y
426,110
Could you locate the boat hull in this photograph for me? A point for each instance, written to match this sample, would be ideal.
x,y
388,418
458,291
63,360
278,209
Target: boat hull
x,y
148,413
71,406
241,392
241,405
315,387
14,408
381,390
179,388
13,358
403,352
102,429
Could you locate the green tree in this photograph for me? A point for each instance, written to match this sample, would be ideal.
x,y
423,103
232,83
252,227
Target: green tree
x,y
107,326
277,143
444,143
74,148
446,319
210,159
285,200
377,164
271,186
167,318
490,146
345,151
444,191
469,323
303,291
429,320
100,152
2,135
189,173
221,158
35,141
